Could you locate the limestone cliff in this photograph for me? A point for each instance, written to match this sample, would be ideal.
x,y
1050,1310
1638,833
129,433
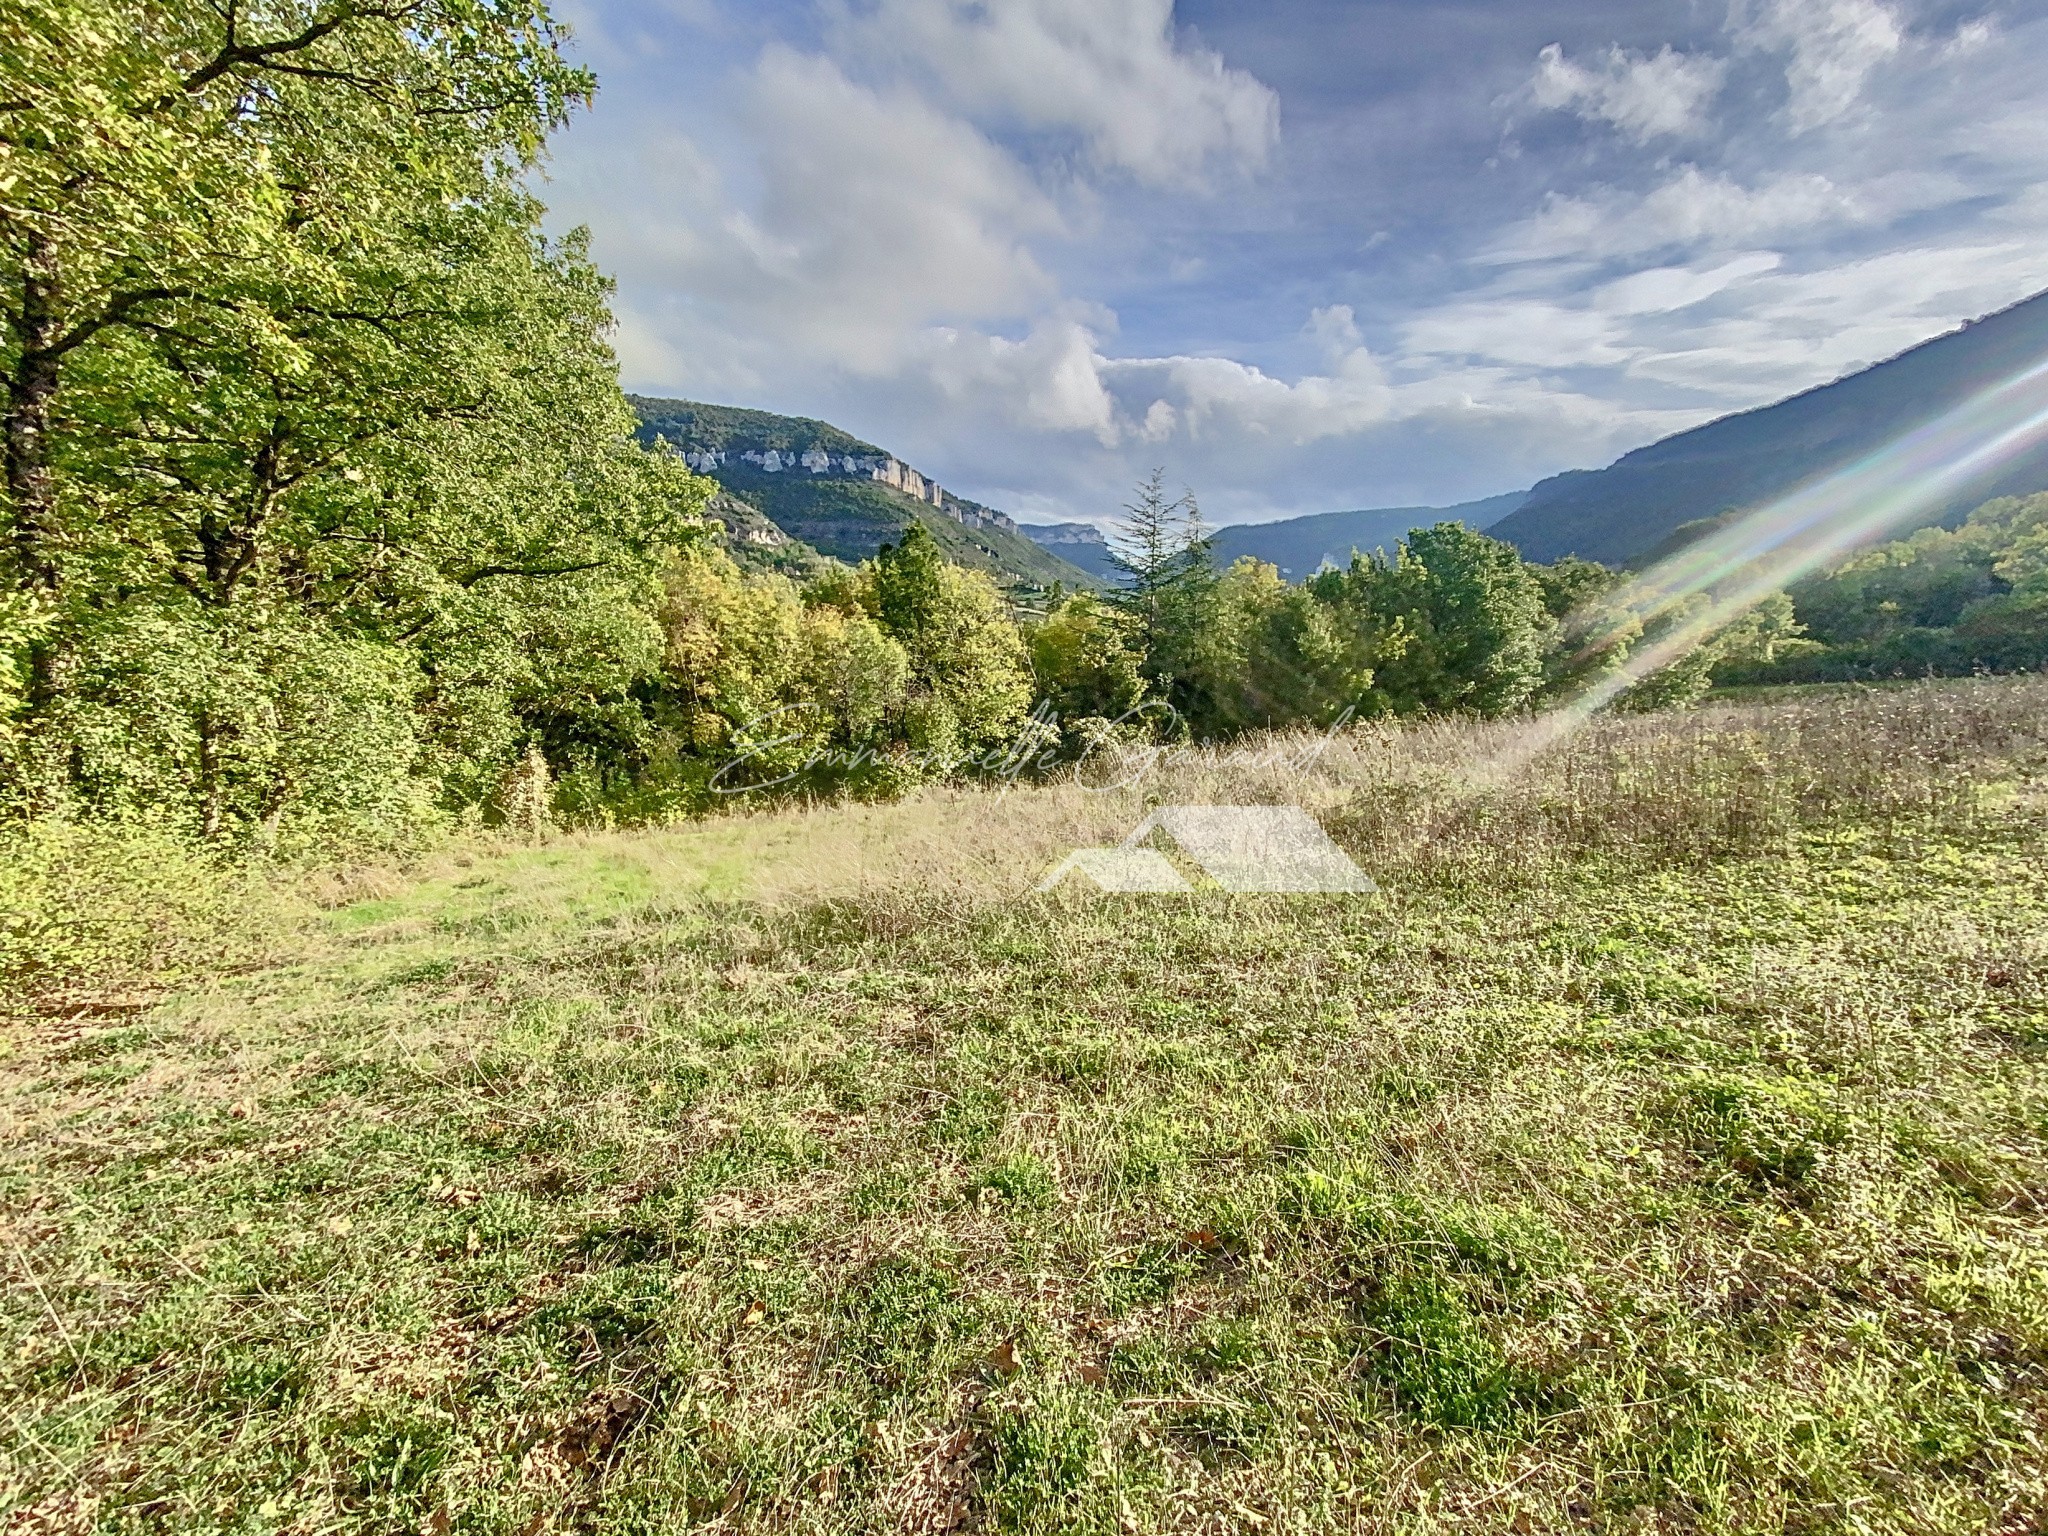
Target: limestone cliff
x,y
838,494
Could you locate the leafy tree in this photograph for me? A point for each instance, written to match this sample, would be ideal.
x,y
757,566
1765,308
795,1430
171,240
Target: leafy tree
x,y
908,585
176,172
285,351
791,681
252,720
1571,584
1086,662
970,669
1947,601
1276,655
970,674
1474,619
1753,639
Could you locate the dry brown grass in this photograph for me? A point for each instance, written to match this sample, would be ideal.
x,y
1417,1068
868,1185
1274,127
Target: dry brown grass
x,y
1420,801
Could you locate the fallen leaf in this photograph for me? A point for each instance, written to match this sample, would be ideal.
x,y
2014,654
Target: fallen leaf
x,y
1003,1359
340,1226
1094,1375
756,1314
438,1523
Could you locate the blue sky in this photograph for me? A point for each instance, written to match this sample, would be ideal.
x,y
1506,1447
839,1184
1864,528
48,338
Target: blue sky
x,y
1307,255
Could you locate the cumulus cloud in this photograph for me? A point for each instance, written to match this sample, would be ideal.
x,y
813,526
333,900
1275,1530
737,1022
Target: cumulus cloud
x,y
1050,381
1664,95
1835,46
1115,75
865,216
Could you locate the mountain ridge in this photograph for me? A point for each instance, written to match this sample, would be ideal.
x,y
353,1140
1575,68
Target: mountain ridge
x,y
1747,459
1297,546
1300,546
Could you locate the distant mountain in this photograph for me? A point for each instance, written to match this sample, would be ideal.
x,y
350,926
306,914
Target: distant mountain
x,y
828,490
1623,513
1081,544
1299,546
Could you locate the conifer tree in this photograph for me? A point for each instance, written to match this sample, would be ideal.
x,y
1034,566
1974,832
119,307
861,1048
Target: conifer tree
x,y
1164,555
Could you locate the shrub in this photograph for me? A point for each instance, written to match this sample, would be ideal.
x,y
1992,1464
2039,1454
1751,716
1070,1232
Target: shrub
x,y
87,912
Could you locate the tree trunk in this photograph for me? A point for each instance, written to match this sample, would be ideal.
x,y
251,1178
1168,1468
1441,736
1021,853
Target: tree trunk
x,y
31,393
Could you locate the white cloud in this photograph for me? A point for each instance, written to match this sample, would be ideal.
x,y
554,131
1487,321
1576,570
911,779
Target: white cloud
x,y
1835,45
894,233
1667,290
1221,398
1112,72
1693,209
864,217
1972,37
1335,331
1796,329
1665,95
1051,381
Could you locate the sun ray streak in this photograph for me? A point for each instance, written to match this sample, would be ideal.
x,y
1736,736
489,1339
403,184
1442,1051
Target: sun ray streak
x,y
1738,566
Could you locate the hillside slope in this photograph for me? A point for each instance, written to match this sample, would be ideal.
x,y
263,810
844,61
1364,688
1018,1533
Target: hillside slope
x,y
839,495
1621,513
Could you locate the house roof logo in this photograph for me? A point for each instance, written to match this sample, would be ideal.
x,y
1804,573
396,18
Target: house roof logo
x,y
1244,848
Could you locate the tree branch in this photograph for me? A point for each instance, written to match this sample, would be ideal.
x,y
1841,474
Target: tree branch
x,y
234,54
533,571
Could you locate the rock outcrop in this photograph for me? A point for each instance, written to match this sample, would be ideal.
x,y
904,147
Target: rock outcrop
x,y
882,468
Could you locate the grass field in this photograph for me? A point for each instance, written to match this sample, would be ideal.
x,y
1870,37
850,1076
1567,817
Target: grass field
x,y
1665,1149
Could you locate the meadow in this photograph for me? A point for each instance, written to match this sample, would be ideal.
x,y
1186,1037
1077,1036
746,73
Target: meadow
x,y
1663,1149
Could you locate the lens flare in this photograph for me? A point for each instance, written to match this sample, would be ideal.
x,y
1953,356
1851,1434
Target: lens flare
x,y
1765,551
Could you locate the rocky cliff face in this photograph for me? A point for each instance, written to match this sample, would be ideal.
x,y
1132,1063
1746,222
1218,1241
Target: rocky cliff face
x,y
816,462
1081,544
828,492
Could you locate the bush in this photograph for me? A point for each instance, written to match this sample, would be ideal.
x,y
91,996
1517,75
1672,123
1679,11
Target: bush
x,y
89,912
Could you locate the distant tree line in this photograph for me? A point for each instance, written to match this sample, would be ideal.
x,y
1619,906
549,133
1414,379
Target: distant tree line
x,y
1945,602
1450,622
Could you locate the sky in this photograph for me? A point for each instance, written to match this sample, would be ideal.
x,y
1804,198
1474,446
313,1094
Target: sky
x,y
1302,255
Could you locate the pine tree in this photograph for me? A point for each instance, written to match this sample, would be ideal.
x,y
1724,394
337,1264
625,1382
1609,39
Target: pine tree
x,y
1164,555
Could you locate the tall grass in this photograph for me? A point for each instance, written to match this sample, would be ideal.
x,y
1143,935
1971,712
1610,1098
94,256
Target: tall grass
x,y
1423,803
110,912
